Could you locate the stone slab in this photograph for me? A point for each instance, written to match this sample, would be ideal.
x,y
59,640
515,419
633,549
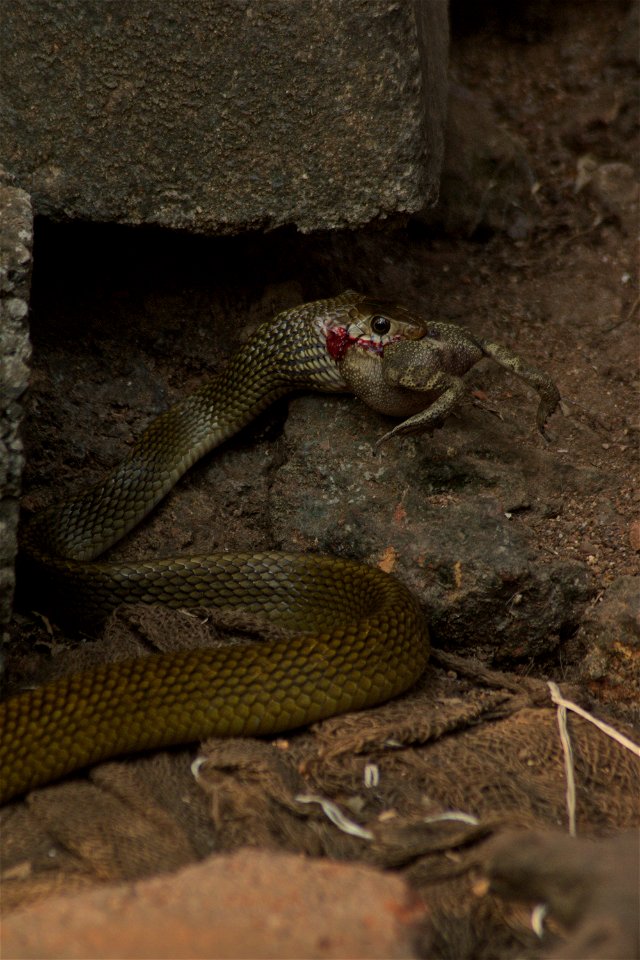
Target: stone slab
x,y
15,279
224,115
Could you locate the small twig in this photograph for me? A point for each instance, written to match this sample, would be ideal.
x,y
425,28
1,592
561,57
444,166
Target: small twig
x,y
564,705
475,670
569,768
610,731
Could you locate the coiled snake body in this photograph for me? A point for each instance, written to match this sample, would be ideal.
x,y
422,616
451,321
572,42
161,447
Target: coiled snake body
x,y
360,636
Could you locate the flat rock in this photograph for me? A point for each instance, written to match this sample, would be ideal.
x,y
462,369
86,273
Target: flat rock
x,y
250,904
439,512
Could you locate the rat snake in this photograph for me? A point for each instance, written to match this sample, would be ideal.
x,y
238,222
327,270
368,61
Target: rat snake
x,y
357,635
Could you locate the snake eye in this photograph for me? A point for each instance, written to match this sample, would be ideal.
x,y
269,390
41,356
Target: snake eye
x,y
380,325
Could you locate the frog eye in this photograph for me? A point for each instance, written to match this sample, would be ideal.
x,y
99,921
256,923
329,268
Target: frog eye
x,y
380,325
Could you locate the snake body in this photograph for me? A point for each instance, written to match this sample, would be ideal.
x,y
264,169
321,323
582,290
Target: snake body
x,y
357,637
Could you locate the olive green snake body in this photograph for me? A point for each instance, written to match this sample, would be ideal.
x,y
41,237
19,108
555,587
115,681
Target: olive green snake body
x,y
358,635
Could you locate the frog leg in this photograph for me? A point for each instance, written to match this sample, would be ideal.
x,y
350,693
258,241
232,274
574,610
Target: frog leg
x,y
449,390
541,382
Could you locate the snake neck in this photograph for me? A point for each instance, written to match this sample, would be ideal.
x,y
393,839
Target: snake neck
x,y
289,353
285,354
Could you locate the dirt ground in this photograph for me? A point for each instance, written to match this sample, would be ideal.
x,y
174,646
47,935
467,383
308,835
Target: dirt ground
x,y
534,245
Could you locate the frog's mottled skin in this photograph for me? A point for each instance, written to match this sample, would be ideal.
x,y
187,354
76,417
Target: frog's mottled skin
x,y
419,374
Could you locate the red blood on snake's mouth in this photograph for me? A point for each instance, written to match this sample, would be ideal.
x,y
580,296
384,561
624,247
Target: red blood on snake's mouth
x,y
338,340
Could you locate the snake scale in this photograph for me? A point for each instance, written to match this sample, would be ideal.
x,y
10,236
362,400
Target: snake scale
x,y
357,638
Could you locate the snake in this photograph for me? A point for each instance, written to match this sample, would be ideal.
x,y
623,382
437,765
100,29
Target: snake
x,y
354,637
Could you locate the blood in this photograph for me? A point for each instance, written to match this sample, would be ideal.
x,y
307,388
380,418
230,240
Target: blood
x,y
338,342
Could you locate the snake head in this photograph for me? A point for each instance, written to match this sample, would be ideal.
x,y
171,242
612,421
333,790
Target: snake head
x,y
370,325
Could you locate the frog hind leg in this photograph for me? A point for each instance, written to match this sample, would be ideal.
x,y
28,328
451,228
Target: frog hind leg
x,y
540,381
451,390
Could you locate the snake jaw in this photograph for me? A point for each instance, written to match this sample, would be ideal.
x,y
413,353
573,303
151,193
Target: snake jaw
x,y
340,339
356,330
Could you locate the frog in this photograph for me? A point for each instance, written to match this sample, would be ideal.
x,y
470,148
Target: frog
x,y
404,365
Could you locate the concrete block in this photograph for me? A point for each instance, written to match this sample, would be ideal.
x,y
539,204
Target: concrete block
x,y
15,279
224,115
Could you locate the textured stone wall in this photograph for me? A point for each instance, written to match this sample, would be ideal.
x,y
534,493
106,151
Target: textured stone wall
x,y
224,115
15,277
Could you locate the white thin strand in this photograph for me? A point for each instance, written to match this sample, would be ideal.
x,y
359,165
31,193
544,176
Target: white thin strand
x,y
371,775
610,731
196,765
538,916
337,817
456,815
569,770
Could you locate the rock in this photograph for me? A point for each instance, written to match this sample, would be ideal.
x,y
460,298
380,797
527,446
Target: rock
x,y
438,513
223,116
609,638
251,904
15,279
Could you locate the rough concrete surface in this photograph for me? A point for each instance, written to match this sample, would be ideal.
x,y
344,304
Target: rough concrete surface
x,y
250,904
224,115
15,279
